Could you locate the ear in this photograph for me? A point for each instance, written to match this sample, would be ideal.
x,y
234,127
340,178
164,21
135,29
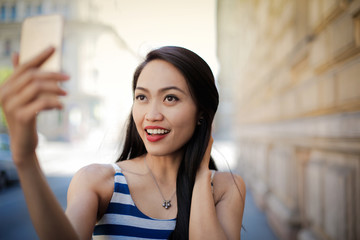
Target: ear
x,y
200,118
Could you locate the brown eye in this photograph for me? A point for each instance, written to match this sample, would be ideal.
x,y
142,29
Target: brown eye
x,y
140,97
171,98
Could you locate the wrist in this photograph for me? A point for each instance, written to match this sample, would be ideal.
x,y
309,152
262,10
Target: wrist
x,y
203,174
24,161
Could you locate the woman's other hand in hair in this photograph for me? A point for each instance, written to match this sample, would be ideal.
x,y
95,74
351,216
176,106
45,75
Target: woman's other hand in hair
x,y
24,94
204,166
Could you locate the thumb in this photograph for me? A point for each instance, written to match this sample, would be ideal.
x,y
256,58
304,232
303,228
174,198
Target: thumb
x,y
15,59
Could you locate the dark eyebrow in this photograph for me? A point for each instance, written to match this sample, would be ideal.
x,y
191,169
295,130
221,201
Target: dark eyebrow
x,y
141,88
163,89
172,88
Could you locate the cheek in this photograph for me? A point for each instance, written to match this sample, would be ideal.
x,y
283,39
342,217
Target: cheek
x,y
185,121
137,116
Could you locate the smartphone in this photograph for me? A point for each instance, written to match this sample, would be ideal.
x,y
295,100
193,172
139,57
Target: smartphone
x,y
39,33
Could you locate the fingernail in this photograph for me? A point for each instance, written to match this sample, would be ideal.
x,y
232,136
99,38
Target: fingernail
x,y
65,76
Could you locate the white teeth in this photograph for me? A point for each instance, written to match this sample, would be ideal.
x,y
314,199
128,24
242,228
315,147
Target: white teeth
x,y
157,131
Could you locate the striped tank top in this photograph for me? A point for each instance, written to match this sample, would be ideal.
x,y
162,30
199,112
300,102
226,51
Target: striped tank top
x,y
123,220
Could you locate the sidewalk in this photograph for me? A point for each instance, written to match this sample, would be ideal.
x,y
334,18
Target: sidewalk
x,y
255,222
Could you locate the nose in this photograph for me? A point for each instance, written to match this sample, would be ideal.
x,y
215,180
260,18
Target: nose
x,y
154,114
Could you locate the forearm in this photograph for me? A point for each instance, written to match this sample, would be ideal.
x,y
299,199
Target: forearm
x,y
204,223
46,213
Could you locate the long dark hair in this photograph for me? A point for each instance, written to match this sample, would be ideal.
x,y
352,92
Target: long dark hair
x,y
202,87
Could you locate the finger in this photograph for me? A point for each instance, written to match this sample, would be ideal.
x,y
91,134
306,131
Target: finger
x,y
34,91
3,90
15,87
35,62
29,112
15,59
39,76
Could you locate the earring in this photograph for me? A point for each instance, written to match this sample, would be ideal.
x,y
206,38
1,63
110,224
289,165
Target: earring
x,y
200,121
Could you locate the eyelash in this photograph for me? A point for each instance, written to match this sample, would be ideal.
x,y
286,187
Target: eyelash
x,y
173,98
140,97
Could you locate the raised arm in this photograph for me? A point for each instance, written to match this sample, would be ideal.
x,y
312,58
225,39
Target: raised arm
x,y
216,215
27,92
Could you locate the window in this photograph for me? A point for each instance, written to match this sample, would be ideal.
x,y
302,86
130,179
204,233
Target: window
x,y
28,10
3,13
39,9
13,13
66,11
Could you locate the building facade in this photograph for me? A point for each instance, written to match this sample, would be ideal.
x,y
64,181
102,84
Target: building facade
x,y
291,72
84,34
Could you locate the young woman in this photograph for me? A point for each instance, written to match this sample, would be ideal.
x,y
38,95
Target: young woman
x,y
164,184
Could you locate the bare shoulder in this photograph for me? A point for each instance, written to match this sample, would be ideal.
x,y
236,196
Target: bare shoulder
x,y
88,195
92,176
229,197
127,164
134,165
95,171
229,185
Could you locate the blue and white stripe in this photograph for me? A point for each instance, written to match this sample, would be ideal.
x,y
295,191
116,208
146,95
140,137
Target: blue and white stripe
x,y
123,220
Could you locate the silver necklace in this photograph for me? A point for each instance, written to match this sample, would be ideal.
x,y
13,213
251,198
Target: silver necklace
x,y
166,203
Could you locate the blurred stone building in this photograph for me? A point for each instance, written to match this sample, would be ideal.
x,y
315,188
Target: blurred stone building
x,y
293,68
103,43
84,54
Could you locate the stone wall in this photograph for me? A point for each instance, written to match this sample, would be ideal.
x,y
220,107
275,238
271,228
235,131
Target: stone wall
x,y
291,70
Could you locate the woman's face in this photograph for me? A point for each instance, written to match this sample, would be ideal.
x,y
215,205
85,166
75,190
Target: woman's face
x,y
164,111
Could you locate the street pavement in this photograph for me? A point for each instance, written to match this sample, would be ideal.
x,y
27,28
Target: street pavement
x,y
255,222
60,161
15,223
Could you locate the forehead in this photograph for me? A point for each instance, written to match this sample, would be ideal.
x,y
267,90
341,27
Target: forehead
x,y
159,73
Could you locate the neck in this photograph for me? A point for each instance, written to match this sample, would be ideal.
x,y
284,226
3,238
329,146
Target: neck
x,y
164,168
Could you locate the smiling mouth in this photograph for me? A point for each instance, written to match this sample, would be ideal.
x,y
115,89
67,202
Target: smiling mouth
x,y
157,131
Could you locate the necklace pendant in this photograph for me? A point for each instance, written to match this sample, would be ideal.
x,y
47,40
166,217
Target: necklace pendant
x,y
166,204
